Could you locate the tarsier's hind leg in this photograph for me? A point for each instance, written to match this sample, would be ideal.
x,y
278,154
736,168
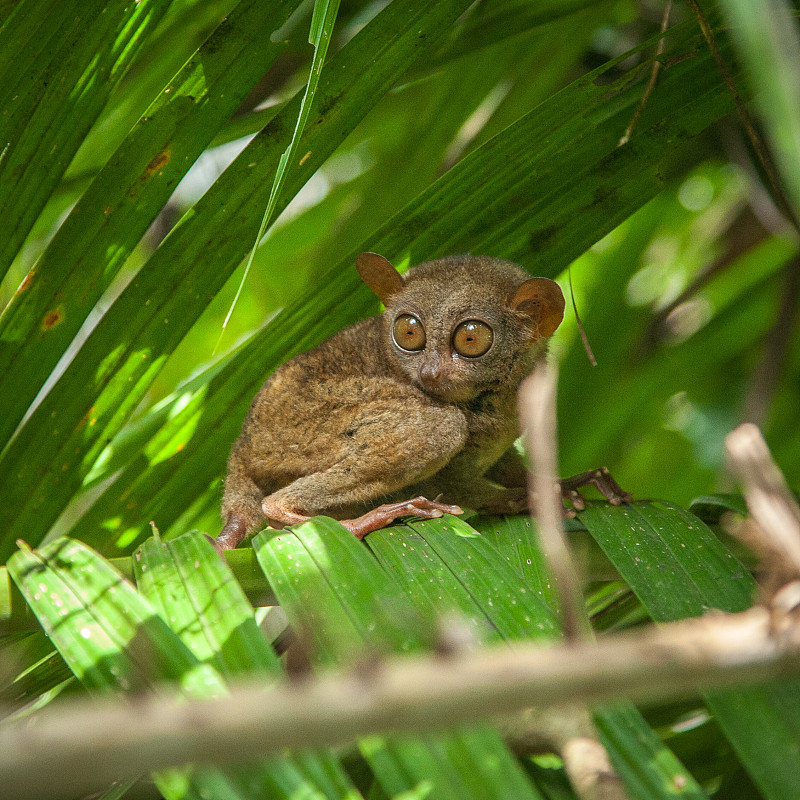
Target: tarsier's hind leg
x,y
379,453
385,454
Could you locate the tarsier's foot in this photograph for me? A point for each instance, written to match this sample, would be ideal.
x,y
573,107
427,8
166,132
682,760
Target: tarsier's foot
x,y
507,501
599,478
373,520
384,515
232,534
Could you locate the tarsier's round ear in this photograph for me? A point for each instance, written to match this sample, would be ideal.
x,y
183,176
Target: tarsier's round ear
x,y
379,275
543,301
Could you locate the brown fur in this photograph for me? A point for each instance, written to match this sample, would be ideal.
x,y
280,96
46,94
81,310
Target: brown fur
x,y
357,421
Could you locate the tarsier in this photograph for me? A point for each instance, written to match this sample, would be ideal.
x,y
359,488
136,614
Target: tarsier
x,y
410,413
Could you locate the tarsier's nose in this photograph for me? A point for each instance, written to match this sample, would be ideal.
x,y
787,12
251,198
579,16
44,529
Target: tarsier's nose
x,y
430,372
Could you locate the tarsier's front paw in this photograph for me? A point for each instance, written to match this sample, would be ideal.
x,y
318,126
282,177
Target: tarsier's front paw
x,y
384,515
416,507
422,507
599,478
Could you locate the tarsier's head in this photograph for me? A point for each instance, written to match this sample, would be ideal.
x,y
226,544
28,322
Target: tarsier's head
x,y
459,326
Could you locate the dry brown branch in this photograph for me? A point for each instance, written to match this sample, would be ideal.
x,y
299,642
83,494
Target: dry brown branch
x,y
589,769
773,531
570,732
585,759
84,742
538,421
769,500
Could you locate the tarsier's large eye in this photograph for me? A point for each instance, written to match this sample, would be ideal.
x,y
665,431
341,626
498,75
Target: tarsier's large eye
x,y
472,338
408,333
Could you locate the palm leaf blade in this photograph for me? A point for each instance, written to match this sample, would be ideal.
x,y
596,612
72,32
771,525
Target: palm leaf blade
x,y
683,570
125,197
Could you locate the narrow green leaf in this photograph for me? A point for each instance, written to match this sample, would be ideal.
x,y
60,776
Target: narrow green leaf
x,y
649,768
445,565
292,573
50,107
489,24
43,676
673,562
18,618
112,639
711,507
106,632
321,30
118,789
197,595
427,579
184,29
493,585
515,537
108,221
28,39
516,610
767,36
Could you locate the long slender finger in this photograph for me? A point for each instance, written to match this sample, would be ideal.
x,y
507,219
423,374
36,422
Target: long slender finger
x,y
433,504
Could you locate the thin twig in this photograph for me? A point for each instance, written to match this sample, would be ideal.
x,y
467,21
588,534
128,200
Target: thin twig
x,y
537,412
586,761
756,141
590,770
651,84
769,500
82,743
584,338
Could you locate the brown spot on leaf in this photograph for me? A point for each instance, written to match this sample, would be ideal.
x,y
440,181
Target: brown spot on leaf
x,y
158,162
53,318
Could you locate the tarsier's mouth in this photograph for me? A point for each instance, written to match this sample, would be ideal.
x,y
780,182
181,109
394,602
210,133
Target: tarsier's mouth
x,y
447,391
